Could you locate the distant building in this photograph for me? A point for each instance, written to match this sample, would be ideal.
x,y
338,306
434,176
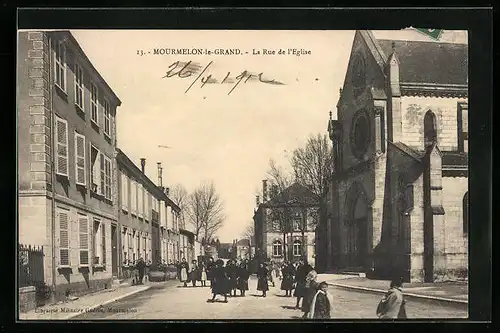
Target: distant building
x,y
398,198
187,245
243,250
285,224
146,216
66,162
227,250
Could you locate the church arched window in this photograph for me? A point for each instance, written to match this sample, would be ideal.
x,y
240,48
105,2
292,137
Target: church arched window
x,y
430,129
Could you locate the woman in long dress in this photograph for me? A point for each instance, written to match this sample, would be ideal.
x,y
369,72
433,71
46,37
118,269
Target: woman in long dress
x,y
392,305
311,287
243,276
203,274
184,269
232,273
300,281
262,275
220,285
287,282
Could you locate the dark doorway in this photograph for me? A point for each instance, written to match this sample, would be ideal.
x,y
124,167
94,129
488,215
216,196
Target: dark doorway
x,y
114,250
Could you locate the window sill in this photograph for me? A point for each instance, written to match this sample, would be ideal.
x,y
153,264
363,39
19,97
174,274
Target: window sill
x,y
63,266
80,108
83,266
107,136
60,91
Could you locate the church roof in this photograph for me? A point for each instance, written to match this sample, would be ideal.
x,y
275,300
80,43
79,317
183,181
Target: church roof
x,y
295,194
243,242
429,62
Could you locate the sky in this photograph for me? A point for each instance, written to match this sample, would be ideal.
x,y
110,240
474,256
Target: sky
x,y
227,139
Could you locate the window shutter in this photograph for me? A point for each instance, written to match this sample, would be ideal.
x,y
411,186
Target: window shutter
x,y
62,147
84,239
96,171
80,159
63,238
124,191
102,161
103,243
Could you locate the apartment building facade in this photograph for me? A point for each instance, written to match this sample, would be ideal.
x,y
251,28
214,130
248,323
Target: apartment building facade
x,y
147,217
67,199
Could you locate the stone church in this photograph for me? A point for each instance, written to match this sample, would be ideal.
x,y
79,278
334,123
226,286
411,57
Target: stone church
x,y
398,198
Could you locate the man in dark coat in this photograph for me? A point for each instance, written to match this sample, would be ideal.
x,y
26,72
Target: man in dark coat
x,y
262,282
141,267
220,284
243,276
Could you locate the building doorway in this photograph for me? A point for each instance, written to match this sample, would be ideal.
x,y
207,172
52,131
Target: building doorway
x,y
114,250
357,231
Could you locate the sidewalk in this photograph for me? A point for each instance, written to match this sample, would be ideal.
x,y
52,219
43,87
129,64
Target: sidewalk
x,y
455,292
87,303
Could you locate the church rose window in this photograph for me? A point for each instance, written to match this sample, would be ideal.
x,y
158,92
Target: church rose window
x,y
360,134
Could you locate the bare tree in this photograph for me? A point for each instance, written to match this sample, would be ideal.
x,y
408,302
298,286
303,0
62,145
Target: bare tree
x,y
205,210
179,196
313,163
279,178
249,231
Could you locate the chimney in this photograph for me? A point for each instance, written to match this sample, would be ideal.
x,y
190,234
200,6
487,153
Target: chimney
x,y
264,190
257,200
160,184
167,191
143,164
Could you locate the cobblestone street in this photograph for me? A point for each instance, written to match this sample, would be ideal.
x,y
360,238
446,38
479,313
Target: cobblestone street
x,y
171,301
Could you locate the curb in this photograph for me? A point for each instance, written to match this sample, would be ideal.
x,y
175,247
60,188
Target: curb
x,y
117,298
379,291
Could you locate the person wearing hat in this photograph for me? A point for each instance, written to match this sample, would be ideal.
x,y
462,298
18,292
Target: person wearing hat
x,y
392,305
243,276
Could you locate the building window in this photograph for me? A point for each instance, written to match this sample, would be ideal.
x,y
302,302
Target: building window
x,y
94,109
463,127
124,190
277,248
106,176
80,170
64,245
297,248
60,66
99,244
144,247
107,118
95,160
465,205
297,224
140,203
79,87
430,129
83,236
62,147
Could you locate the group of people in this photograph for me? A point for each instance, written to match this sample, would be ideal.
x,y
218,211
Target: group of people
x,y
297,279
317,301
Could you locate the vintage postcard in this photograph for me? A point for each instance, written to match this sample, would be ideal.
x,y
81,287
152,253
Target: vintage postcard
x,y
242,174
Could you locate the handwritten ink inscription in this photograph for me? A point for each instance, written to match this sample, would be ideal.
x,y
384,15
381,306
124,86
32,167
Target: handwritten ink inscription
x,y
189,69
